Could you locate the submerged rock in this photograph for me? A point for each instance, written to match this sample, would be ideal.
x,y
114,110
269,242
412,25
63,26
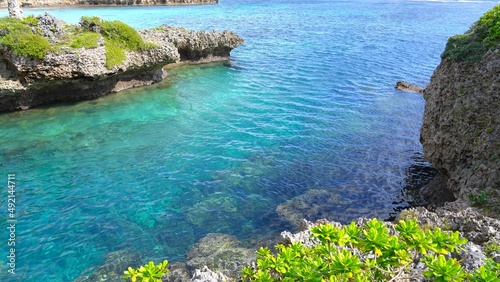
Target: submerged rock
x,y
221,252
71,74
113,267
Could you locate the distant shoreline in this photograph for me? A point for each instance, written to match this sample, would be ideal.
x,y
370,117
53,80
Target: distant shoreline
x,y
58,4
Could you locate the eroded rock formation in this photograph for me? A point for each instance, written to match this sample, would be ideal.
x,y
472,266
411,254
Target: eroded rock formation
x,y
72,74
461,127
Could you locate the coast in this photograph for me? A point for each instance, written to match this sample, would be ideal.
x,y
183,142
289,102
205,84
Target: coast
x,y
73,3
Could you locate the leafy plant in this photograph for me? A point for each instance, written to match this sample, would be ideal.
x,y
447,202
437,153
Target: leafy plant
x,y
147,273
478,199
367,253
441,270
486,273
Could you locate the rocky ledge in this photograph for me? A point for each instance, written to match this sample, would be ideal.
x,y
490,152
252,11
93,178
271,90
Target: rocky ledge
x,y
71,74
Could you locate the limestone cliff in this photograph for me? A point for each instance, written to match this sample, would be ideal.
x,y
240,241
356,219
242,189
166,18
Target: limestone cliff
x,y
461,126
69,74
55,3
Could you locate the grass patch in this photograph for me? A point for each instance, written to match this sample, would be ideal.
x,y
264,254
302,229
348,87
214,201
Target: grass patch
x,y
481,37
23,37
86,40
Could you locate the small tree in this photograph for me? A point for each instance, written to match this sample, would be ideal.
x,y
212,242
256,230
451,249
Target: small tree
x,y
14,9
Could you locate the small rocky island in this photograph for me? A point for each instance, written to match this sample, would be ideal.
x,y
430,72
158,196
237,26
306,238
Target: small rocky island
x,y
44,60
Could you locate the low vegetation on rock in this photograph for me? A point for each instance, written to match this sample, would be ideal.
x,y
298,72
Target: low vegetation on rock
x,y
147,273
372,252
118,37
482,36
23,37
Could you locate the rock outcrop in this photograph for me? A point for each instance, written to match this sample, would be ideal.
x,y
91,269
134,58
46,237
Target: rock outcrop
x,y
408,87
461,126
71,74
460,133
56,3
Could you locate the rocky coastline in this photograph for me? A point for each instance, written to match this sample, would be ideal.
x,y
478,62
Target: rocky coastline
x,y
460,135
63,3
72,74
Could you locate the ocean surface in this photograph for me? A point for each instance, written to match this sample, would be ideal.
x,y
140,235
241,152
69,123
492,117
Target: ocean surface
x,y
307,102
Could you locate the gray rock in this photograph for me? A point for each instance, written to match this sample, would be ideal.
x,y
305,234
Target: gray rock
x,y
457,216
51,27
207,275
408,87
461,127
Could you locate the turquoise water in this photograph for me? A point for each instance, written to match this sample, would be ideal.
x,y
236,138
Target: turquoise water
x,y
306,103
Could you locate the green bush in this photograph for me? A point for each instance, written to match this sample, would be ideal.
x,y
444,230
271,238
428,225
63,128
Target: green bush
x,y
482,36
491,22
368,253
22,37
147,273
118,35
86,40
115,55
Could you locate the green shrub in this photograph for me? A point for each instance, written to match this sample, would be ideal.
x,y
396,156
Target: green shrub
x,y
482,36
147,273
86,40
490,21
19,36
367,253
118,35
114,54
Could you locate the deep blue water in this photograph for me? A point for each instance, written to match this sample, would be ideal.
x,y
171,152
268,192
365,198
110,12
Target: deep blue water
x,y
306,103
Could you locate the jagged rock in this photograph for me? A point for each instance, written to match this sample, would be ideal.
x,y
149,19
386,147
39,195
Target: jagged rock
x,y
408,87
222,252
78,74
457,216
177,273
51,27
460,133
207,275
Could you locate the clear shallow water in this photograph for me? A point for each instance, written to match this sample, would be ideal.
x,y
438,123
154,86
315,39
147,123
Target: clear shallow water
x,y
306,103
